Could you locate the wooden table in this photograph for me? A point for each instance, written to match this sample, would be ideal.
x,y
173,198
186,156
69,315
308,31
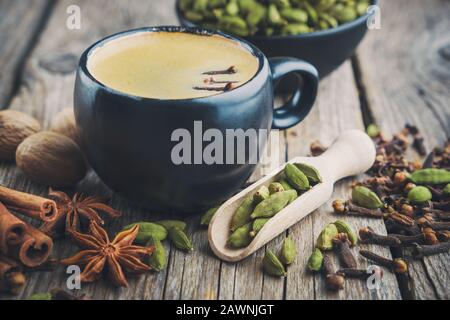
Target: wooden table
x,y
400,73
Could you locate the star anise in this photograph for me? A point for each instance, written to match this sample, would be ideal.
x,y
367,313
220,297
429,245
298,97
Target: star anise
x,y
70,212
101,253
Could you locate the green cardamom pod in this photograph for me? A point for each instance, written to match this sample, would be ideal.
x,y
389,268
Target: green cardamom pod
x,y
310,172
261,194
446,190
325,239
281,3
275,187
272,265
361,7
241,237
273,204
168,224
193,16
234,24
344,227
180,239
273,16
218,13
366,198
296,177
295,28
256,15
373,130
430,176
242,214
158,259
269,31
206,218
312,13
257,225
147,230
286,185
232,8
40,296
200,5
324,5
332,22
315,260
212,4
419,194
294,15
246,6
344,14
288,251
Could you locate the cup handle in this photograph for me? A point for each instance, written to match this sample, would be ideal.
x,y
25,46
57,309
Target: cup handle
x,y
301,102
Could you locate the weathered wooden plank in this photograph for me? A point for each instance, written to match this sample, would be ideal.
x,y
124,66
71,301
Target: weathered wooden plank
x,y
47,87
405,70
337,109
246,279
17,39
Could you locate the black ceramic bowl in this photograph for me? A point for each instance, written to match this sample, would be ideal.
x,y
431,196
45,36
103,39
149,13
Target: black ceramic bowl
x,y
326,49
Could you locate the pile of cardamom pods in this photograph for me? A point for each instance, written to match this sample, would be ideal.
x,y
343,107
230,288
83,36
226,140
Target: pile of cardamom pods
x,y
257,209
153,233
272,17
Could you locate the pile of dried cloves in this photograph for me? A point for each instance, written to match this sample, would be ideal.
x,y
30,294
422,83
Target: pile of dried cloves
x,y
413,198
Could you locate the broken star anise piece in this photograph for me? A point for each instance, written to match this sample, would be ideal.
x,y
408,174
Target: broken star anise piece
x,y
113,256
72,210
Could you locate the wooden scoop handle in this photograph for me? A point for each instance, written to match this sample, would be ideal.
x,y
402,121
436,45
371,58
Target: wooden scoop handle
x,y
352,153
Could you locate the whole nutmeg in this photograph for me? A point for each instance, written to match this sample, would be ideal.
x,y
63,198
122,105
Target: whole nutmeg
x,y
51,159
15,126
64,123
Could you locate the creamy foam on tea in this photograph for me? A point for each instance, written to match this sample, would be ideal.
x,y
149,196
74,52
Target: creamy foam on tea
x,y
172,65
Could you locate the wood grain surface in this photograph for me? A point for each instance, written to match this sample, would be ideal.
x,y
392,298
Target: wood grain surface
x,y
406,77
403,72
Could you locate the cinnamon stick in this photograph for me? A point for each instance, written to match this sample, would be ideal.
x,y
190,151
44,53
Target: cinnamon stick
x,y
30,205
22,241
12,230
34,249
12,279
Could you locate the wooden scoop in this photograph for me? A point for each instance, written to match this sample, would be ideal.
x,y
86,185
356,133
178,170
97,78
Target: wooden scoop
x,y
352,153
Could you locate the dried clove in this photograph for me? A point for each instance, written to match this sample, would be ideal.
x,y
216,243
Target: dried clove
x,y
436,226
442,215
394,227
317,148
230,70
444,235
397,265
360,273
401,219
334,280
347,207
229,86
367,235
421,251
341,244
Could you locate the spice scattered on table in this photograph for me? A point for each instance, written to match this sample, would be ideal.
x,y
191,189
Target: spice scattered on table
x,y
76,211
410,196
114,256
